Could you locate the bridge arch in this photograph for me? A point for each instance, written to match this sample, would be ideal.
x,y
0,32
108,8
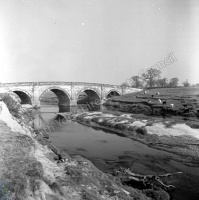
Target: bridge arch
x,y
91,101
63,98
112,93
24,96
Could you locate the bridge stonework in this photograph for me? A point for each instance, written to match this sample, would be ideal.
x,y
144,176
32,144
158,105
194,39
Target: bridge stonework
x,y
65,91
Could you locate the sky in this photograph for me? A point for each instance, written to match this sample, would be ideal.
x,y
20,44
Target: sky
x,y
97,41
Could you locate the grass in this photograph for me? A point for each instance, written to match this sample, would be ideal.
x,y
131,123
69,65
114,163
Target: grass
x,y
19,165
148,104
177,92
180,91
18,169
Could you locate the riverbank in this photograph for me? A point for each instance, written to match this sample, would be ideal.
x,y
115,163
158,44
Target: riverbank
x,y
167,135
176,102
31,170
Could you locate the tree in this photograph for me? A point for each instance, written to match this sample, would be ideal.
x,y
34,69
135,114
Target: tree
x,y
150,77
173,82
137,83
162,82
125,84
133,82
186,84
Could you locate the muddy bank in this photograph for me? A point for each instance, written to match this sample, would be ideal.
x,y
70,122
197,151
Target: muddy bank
x,y
176,138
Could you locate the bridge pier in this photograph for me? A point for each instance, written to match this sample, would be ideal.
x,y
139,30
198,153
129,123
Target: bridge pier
x,y
73,106
36,102
73,103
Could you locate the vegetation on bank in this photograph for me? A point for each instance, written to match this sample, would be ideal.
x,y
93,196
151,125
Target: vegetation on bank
x,y
159,102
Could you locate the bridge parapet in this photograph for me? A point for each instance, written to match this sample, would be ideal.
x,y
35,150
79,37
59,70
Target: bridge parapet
x,y
57,83
17,84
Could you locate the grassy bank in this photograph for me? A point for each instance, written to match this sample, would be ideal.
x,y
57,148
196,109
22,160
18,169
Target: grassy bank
x,y
179,102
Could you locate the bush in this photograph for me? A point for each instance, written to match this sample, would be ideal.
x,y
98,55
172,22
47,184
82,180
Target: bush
x,y
12,104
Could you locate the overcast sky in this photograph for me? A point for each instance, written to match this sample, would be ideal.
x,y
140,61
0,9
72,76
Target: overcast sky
x,y
102,41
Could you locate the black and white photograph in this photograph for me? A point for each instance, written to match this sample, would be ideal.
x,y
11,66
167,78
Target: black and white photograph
x,y
99,99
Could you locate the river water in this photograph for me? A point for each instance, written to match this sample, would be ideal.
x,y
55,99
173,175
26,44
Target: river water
x,y
108,151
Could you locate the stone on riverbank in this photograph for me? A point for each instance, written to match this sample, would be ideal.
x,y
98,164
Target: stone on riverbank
x,y
141,130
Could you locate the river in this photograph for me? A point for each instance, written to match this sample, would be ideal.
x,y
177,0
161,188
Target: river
x,y
108,151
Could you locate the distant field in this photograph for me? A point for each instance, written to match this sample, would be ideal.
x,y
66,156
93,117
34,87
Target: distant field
x,y
181,91
192,91
183,102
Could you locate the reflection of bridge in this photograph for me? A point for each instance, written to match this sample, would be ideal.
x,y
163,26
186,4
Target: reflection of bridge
x,y
66,92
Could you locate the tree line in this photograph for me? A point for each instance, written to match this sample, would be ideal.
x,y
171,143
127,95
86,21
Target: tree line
x,y
152,78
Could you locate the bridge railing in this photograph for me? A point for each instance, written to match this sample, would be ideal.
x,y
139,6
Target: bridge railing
x,y
57,83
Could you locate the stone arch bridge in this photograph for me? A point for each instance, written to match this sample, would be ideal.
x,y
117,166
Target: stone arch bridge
x,y
66,92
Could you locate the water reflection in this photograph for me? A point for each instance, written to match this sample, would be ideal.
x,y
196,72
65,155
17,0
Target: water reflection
x,y
47,114
44,116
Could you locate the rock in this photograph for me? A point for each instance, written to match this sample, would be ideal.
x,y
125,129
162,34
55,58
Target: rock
x,y
149,124
141,130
